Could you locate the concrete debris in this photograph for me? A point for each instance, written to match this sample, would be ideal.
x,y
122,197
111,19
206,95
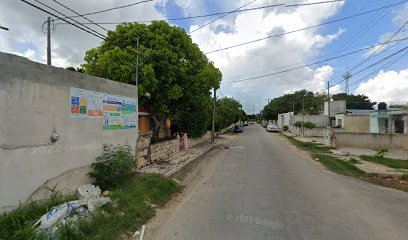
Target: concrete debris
x,y
94,203
68,212
88,191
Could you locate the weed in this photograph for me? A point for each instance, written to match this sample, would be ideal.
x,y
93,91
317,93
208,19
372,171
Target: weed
x,y
354,161
114,167
309,146
381,152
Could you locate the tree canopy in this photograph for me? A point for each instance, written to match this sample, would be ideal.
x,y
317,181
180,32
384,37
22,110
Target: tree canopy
x,y
174,75
314,103
228,112
359,101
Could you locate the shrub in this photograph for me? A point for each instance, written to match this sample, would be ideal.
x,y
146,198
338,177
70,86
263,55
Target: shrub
x,y
381,152
309,125
114,167
285,128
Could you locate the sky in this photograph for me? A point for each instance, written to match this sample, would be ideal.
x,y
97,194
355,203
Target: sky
x,y
379,71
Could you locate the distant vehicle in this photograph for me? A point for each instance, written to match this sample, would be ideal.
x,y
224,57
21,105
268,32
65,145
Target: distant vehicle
x,y
238,129
272,128
246,124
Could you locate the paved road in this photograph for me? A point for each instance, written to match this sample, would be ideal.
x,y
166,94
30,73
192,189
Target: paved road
x,y
264,188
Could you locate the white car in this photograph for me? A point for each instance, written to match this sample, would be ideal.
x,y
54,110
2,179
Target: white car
x,y
272,127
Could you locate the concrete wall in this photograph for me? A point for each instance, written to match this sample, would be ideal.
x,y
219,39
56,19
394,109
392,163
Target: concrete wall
x,y
319,120
335,107
284,119
357,124
371,140
314,132
35,100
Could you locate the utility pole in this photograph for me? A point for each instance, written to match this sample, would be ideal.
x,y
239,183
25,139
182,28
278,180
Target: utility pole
x,y
213,118
137,61
268,99
293,108
303,116
49,41
328,101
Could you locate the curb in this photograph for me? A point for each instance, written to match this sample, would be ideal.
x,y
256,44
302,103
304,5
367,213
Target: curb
x,y
178,168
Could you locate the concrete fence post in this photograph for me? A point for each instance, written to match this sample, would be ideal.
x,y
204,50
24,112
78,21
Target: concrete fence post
x,y
178,143
185,139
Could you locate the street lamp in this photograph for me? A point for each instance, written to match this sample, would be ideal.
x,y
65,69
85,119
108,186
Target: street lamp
x,y
4,28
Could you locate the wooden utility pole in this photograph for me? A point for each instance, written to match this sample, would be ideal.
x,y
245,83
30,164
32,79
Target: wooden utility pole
x,y
213,118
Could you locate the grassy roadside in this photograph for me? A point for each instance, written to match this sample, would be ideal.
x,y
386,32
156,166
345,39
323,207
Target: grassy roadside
x,y
321,153
133,205
389,162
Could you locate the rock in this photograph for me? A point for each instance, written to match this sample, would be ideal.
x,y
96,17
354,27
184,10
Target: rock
x,y
94,203
89,191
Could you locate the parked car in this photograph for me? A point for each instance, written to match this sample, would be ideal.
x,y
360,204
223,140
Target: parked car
x,y
272,128
238,129
246,124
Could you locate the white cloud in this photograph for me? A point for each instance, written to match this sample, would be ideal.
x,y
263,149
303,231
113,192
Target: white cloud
x,y
68,43
263,56
388,86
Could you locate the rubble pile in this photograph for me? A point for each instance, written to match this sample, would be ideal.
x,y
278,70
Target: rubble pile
x,y
90,199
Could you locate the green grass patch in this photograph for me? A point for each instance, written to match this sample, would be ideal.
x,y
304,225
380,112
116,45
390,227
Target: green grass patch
x,y
309,146
339,166
389,162
130,209
354,161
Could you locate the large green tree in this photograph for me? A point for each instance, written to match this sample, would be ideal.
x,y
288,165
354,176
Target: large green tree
x,y
313,104
359,101
228,112
175,76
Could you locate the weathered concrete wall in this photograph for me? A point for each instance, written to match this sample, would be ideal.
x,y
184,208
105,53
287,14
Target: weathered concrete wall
x,y
314,132
163,150
335,107
284,119
371,140
34,101
358,124
319,120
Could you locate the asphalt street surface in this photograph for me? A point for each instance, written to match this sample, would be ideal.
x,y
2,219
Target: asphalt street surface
x,y
262,187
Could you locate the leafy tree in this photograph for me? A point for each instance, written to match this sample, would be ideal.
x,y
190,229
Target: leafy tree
x,y
77,69
228,112
313,102
173,72
359,101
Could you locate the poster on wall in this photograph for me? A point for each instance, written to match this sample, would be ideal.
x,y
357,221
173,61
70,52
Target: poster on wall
x,y
117,112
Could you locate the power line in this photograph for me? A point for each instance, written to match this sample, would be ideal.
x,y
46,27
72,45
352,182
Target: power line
x,y
311,64
224,16
107,10
53,9
54,15
306,28
70,9
214,14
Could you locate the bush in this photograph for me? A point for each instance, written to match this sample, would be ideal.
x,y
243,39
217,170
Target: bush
x,y
114,167
381,152
309,125
285,128
195,124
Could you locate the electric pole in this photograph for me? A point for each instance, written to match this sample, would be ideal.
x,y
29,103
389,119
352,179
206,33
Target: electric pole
x,y
137,61
268,99
303,116
328,101
49,41
213,118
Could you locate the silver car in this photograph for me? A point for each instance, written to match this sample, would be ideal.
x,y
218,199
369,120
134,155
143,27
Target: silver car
x,y
272,128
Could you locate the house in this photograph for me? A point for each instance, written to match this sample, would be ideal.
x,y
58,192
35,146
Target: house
x,y
147,125
389,121
354,120
284,119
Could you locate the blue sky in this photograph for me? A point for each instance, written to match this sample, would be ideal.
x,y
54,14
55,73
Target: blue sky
x,y
388,83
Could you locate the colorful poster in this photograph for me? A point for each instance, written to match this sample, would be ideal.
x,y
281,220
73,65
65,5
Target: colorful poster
x,y
117,112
